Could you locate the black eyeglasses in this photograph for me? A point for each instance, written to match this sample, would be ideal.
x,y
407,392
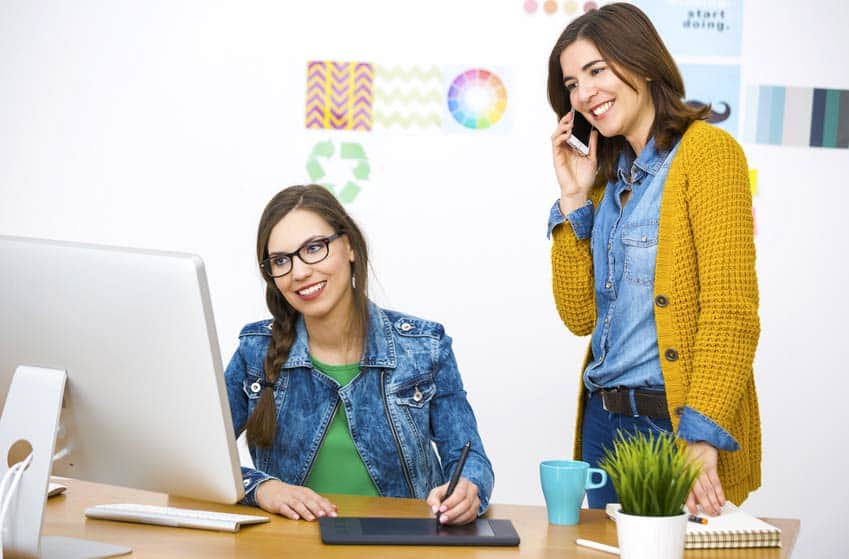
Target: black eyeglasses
x,y
311,252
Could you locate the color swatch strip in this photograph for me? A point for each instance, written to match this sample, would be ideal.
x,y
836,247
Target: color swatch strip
x,y
797,116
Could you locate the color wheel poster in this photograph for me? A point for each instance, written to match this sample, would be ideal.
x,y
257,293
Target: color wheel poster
x,y
476,99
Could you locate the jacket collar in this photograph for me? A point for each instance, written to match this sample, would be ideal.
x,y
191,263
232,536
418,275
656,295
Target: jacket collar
x,y
379,349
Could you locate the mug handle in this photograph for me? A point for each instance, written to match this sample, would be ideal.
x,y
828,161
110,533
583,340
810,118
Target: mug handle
x,y
602,473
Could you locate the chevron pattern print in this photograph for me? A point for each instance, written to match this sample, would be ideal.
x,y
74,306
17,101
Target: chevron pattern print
x,y
339,95
408,98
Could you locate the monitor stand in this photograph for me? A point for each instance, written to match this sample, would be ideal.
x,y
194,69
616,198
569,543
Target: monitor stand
x,y
31,415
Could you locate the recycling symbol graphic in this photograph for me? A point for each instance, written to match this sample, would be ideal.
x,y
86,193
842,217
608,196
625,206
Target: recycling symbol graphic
x,y
350,167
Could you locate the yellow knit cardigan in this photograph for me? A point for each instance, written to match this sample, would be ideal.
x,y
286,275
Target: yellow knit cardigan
x,y
705,293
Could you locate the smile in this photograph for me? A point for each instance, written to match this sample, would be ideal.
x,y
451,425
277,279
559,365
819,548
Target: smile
x,y
311,291
601,109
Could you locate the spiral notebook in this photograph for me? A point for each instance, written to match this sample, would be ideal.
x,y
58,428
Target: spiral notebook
x,y
734,528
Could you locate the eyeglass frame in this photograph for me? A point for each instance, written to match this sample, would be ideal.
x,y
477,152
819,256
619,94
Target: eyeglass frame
x,y
266,264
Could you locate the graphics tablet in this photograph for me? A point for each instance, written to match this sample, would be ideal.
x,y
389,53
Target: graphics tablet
x,y
415,531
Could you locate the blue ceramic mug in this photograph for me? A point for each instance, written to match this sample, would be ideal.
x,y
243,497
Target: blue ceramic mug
x,y
564,483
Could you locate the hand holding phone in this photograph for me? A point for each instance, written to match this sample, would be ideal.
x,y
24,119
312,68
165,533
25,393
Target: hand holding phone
x,y
574,162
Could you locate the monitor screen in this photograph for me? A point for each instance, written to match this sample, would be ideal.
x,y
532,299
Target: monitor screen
x,y
145,404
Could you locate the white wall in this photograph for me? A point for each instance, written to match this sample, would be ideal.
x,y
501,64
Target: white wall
x,y
169,124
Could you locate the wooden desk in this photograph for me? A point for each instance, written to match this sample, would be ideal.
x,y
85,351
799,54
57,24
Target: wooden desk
x,y
287,538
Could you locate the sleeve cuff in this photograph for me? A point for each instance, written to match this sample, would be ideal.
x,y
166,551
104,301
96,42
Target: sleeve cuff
x,y
580,219
695,427
251,479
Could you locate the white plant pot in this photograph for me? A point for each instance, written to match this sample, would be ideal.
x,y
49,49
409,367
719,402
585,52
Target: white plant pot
x,y
651,537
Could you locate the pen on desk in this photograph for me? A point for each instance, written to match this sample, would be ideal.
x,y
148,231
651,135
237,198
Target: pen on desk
x,y
697,519
456,477
598,546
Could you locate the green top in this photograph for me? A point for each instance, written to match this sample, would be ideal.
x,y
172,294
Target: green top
x,y
338,467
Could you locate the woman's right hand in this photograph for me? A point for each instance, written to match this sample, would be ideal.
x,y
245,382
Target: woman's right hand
x,y
292,501
576,173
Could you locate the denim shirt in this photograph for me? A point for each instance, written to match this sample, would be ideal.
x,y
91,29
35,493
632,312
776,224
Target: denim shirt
x,y
623,242
408,395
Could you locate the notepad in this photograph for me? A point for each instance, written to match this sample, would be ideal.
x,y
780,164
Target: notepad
x,y
734,528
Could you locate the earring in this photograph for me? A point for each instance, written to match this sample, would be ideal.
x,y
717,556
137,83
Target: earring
x,y
353,281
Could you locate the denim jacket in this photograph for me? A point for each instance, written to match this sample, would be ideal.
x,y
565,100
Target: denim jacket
x,y
408,395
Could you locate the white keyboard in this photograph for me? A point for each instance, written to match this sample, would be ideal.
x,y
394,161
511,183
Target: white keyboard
x,y
173,516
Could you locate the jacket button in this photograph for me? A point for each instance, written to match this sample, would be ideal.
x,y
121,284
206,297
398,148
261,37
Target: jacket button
x,y
679,411
256,387
661,301
671,355
406,327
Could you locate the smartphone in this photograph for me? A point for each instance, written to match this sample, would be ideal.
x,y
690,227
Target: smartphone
x,y
580,138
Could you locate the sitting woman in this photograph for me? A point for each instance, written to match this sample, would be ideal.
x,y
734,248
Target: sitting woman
x,y
338,395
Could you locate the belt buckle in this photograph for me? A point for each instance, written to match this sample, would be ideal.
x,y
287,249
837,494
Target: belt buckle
x,y
604,393
604,400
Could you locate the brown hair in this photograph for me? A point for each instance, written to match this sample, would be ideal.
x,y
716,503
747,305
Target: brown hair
x,y
262,424
629,42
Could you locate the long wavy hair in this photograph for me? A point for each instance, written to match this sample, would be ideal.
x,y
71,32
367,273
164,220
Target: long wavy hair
x,y
630,44
262,424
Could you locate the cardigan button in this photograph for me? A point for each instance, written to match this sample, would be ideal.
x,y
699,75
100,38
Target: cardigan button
x,y
671,355
661,301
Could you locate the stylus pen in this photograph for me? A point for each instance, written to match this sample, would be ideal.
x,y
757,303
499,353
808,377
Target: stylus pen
x,y
598,546
456,477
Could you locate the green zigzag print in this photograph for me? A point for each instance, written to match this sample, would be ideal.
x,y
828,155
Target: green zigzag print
x,y
420,120
430,96
397,72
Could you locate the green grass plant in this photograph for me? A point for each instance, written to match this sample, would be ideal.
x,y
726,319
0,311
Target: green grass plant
x,y
651,473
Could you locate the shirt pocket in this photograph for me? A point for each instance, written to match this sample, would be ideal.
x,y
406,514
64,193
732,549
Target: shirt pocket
x,y
640,242
416,395
251,385
412,401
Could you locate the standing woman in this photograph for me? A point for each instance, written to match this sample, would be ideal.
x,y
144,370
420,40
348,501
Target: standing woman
x,y
654,256
338,395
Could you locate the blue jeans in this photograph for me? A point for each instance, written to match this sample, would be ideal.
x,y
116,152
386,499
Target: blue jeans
x,y
598,431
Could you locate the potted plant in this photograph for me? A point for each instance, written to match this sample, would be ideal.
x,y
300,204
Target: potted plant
x,y
652,476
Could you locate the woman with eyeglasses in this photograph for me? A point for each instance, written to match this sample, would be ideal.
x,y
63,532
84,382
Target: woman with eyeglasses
x,y
654,257
338,395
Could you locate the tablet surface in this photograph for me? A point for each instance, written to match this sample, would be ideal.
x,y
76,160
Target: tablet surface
x,y
415,531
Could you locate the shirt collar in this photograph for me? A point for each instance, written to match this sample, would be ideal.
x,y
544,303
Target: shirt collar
x,y
649,162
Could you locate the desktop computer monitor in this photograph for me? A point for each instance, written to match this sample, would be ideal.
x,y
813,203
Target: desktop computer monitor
x,y
145,404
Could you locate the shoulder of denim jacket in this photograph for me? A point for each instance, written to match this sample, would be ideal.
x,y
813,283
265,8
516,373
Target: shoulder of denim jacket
x,y
411,326
261,328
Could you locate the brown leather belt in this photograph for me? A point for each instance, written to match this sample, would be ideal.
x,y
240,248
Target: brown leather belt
x,y
651,403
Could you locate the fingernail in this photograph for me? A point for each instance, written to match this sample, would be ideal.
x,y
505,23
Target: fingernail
x,y
297,517
443,518
433,509
334,514
321,513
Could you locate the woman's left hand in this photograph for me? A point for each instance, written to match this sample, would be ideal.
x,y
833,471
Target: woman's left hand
x,y
460,508
707,490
